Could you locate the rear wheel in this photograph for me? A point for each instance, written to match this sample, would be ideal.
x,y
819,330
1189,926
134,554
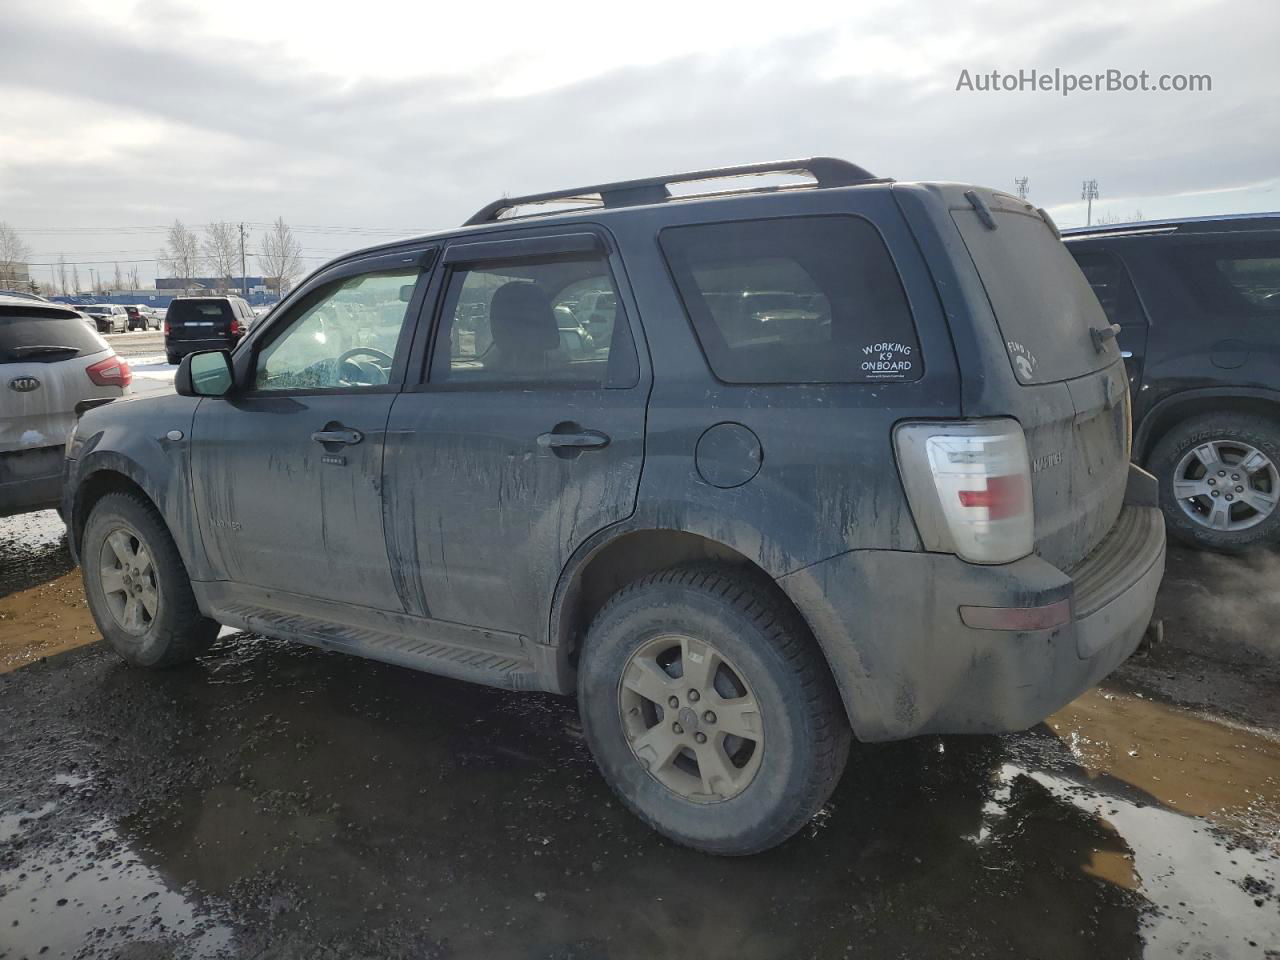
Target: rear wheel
x,y
1220,480
137,585
709,709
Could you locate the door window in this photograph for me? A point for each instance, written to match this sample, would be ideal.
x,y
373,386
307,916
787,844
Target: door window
x,y
1239,277
548,322
1112,286
344,335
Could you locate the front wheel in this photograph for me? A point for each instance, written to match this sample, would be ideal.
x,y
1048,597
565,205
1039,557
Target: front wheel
x,y
137,585
710,710
1219,479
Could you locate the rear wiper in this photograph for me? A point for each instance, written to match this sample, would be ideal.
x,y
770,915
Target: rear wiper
x,y
40,350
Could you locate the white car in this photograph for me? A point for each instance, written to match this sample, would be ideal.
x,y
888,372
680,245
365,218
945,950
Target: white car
x,y
49,362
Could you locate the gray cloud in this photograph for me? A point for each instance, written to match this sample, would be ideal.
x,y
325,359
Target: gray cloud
x,y
251,133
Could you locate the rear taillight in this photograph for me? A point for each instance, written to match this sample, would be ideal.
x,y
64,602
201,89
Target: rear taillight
x,y
969,484
111,372
166,328
235,327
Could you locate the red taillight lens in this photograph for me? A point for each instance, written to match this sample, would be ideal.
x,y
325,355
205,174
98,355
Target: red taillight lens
x,y
111,372
166,328
235,327
1003,497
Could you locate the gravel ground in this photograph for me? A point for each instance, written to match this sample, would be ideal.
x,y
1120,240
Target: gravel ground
x,y
274,801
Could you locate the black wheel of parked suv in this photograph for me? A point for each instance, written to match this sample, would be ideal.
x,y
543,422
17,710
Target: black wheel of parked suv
x,y
710,710
137,585
1220,480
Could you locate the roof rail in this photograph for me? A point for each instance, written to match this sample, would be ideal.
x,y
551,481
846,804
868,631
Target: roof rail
x,y
826,171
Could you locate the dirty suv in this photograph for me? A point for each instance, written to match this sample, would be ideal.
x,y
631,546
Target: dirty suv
x,y
852,462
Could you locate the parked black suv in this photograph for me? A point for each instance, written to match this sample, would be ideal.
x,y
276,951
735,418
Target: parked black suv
x,y
892,497
204,323
1198,305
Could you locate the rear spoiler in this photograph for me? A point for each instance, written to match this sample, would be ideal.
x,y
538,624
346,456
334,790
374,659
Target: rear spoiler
x,y
84,406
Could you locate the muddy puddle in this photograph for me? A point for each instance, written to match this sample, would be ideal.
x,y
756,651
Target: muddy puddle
x,y
275,801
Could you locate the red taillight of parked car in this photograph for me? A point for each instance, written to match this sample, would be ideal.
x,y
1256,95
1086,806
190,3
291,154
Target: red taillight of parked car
x,y
111,372
235,327
166,327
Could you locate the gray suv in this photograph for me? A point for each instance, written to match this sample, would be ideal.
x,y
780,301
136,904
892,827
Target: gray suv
x,y
853,462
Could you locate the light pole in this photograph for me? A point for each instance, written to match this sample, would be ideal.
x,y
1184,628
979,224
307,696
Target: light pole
x,y
1089,193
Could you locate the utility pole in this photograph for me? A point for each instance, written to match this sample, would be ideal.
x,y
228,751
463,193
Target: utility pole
x,y
1089,193
244,281
1021,184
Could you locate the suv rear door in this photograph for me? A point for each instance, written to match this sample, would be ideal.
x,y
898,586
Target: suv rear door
x,y
509,452
1071,396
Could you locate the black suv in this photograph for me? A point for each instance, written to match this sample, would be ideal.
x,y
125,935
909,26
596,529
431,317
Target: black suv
x,y
204,323
1198,306
852,460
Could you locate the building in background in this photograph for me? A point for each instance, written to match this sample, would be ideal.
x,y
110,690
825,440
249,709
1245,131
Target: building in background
x,y
256,286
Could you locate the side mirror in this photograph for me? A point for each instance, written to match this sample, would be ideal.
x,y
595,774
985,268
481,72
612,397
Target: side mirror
x,y
205,374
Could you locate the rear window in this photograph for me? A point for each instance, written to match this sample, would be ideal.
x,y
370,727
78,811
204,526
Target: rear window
x,y
182,311
35,335
1239,277
794,300
1040,298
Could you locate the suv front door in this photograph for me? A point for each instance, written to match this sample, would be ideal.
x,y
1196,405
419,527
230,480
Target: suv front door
x,y
286,470
519,443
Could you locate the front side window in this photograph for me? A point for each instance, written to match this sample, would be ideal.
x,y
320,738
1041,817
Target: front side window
x,y
344,335
1240,277
795,300
554,321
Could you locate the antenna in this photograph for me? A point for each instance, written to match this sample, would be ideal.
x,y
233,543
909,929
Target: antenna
x,y
1021,184
1089,193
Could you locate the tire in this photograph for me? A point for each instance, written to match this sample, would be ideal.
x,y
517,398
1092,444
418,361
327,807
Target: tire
x,y
803,737
173,358
1229,435
172,631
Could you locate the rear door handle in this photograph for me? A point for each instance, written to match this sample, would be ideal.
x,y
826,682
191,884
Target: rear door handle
x,y
342,435
583,440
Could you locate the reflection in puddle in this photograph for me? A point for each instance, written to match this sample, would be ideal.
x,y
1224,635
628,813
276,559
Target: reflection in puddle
x,y
318,805
93,890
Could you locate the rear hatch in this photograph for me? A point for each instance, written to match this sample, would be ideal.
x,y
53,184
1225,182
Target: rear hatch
x,y
43,354
196,319
1072,396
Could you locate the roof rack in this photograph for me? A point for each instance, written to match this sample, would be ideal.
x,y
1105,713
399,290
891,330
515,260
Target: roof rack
x,y
826,172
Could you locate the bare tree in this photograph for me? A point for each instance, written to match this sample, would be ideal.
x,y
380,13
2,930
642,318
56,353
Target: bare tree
x,y
222,251
75,279
281,255
135,283
62,274
14,255
181,255
118,283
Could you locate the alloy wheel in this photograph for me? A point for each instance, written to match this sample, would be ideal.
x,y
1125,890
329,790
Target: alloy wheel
x,y
127,574
1226,485
691,719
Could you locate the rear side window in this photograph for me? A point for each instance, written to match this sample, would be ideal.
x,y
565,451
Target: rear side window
x,y
1111,284
1041,301
794,300
1241,278
33,335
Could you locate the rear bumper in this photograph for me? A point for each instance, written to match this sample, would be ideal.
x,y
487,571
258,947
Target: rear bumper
x,y
180,348
906,663
30,479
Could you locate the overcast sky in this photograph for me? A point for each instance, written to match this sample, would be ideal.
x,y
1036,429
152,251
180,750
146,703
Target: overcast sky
x,y
359,122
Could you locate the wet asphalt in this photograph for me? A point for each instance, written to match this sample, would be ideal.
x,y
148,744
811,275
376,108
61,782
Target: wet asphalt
x,y
274,801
